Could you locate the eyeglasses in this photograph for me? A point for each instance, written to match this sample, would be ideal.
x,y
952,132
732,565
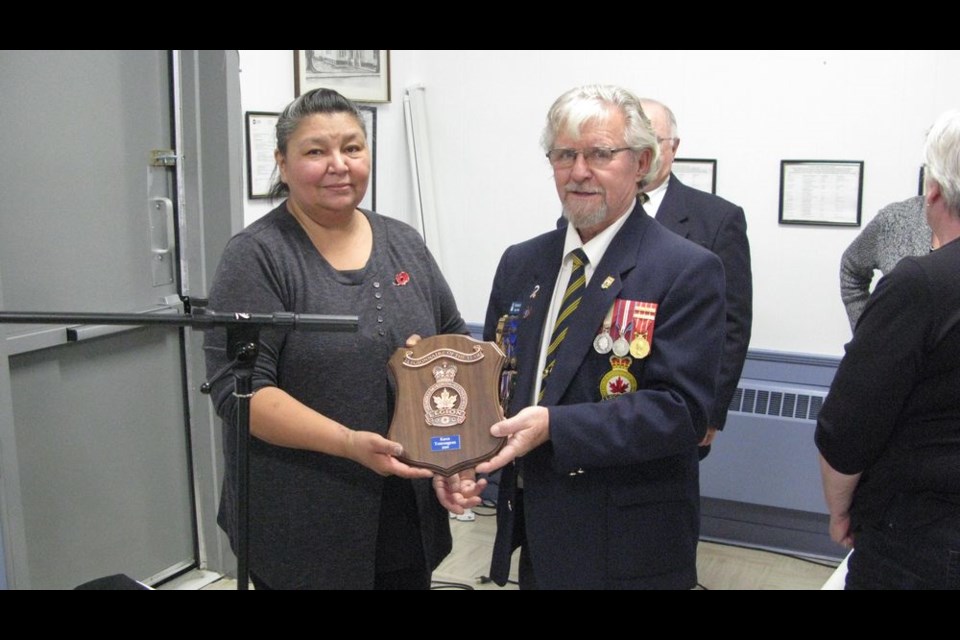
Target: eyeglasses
x,y
595,157
661,140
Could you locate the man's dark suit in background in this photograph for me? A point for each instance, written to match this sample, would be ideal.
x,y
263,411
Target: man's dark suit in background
x,y
721,227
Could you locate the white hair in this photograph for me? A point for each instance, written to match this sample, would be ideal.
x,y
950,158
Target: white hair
x,y
589,103
942,156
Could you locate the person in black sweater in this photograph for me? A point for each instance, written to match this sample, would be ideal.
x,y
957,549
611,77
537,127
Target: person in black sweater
x,y
889,431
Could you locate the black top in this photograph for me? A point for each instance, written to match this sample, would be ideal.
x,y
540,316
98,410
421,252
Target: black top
x,y
893,412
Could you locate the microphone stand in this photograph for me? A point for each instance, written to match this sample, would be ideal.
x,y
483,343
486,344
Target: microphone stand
x,y
243,347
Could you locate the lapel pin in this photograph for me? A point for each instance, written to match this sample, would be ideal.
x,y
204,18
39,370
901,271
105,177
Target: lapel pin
x,y
606,283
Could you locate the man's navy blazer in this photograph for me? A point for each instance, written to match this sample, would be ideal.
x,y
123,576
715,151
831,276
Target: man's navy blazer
x,y
612,499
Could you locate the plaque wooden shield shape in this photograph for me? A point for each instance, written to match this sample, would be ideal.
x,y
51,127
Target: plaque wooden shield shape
x,y
447,400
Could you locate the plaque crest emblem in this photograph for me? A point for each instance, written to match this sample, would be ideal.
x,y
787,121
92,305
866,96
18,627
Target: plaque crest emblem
x,y
445,403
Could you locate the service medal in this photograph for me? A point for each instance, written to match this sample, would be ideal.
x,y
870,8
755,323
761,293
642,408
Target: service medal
x,y
621,347
639,348
645,320
623,311
603,343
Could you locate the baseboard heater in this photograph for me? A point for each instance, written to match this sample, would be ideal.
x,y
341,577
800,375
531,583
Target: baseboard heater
x,y
760,485
766,399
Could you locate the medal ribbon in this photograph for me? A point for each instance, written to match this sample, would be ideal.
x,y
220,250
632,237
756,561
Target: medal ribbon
x,y
644,317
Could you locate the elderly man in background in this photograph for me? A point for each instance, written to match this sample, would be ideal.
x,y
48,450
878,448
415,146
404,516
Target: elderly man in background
x,y
719,226
618,343
889,430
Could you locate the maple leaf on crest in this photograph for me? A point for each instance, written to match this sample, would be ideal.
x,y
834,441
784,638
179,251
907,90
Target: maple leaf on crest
x,y
445,400
618,385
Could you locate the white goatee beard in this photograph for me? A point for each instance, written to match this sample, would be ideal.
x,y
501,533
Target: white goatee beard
x,y
585,219
581,217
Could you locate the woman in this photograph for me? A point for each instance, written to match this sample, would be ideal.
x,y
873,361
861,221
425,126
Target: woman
x,y
889,431
322,515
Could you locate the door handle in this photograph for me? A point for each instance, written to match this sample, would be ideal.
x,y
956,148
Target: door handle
x,y
162,240
161,225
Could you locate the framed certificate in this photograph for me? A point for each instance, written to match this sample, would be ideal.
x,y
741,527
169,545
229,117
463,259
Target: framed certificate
x,y
697,173
821,192
261,143
370,120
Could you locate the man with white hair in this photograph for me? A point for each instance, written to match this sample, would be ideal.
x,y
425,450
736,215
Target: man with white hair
x,y
618,343
889,430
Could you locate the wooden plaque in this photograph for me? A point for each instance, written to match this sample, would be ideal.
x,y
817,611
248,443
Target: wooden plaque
x,y
447,400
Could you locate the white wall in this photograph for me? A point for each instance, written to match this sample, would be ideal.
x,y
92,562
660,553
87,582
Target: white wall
x,y
748,110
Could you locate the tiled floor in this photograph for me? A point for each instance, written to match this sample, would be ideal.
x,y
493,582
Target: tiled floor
x,y
720,567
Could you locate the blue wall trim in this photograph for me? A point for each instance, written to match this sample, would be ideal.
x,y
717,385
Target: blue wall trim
x,y
790,368
787,357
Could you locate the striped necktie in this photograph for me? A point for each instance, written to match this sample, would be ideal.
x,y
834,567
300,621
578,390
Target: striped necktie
x,y
569,304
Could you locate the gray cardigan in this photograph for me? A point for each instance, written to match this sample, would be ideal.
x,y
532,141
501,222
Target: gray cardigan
x,y
313,517
898,230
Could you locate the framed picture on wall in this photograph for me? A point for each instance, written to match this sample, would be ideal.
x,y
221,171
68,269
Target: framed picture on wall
x,y
697,173
261,142
363,75
821,192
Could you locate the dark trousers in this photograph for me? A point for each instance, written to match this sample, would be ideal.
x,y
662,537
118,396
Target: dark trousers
x,y
896,554
526,578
